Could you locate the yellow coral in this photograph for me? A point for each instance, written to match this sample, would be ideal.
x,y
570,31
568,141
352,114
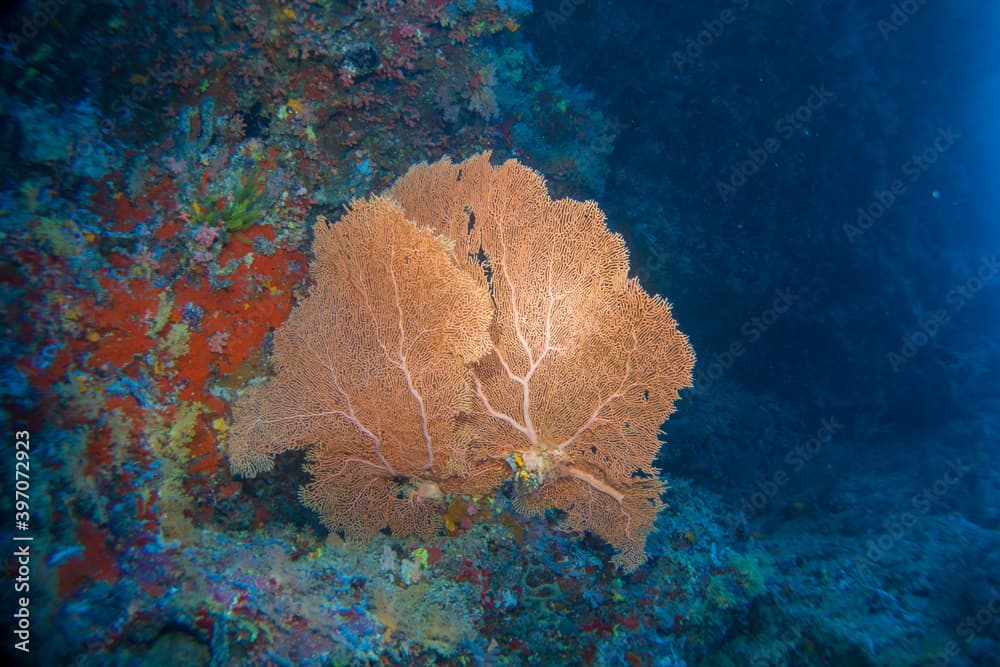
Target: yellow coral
x,y
170,444
177,342
58,237
164,305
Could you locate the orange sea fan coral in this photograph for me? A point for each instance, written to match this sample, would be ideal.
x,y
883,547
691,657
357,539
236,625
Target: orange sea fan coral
x,y
464,320
585,365
372,376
